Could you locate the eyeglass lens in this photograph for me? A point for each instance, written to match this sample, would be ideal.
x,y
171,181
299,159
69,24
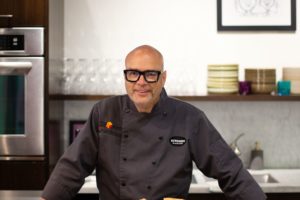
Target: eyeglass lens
x,y
149,76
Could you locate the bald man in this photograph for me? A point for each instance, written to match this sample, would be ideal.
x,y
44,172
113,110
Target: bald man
x,y
143,144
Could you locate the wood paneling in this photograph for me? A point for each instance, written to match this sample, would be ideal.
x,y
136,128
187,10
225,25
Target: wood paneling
x,y
25,13
22,175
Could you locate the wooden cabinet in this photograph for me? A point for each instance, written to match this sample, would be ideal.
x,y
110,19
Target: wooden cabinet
x,y
25,174
22,175
23,13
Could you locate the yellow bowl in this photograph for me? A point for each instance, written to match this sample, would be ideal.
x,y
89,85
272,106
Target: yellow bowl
x,y
223,67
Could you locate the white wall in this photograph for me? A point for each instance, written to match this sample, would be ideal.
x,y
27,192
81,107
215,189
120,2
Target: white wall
x,y
184,30
186,33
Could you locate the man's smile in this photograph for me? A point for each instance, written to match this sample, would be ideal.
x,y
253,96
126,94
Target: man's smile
x,y
142,92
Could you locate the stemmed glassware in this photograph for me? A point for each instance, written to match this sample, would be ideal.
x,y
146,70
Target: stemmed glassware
x,y
92,76
68,77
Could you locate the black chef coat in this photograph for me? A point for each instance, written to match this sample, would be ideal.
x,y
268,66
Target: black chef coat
x,y
148,154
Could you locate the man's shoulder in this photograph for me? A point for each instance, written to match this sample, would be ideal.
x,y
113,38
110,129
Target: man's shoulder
x,y
183,106
110,102
111,99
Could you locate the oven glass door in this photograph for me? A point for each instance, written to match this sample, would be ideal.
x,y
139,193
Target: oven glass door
x,y
21,106
12,104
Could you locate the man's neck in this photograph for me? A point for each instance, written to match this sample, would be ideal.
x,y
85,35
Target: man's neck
x,y
144,109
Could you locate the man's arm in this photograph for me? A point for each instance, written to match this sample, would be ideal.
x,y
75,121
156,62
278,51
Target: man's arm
x,y
78,161
216,159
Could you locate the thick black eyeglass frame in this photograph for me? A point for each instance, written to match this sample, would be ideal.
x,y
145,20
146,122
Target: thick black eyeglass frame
x,y
141,73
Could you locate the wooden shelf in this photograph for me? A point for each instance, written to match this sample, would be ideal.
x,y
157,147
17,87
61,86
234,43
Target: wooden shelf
x,y
189,98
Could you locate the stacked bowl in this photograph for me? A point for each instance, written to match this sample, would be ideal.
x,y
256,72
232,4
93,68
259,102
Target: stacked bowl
x,y
293,75
222,78
263,81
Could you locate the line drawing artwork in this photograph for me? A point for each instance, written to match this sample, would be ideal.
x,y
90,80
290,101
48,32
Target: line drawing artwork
x,y
256,7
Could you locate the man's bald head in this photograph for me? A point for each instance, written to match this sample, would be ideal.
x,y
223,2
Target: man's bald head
x,y
147,53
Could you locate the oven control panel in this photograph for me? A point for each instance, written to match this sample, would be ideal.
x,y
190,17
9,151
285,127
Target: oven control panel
x,y
12,42
19,41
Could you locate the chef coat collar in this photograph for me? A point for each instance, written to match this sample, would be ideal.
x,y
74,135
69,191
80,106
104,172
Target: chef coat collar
x,y
158,107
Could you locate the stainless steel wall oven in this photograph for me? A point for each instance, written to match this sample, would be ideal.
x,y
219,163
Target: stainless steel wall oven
x,y
21,93
23,160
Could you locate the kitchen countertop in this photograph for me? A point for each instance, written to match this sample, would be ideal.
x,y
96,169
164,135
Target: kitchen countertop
x,y
20,194
288,181
89,186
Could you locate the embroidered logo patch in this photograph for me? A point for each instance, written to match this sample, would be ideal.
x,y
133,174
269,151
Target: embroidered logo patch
x,y
105,124
109,124
177,141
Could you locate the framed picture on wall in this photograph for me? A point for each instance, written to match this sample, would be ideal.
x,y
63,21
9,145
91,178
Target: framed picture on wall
x,y
256,15
75,127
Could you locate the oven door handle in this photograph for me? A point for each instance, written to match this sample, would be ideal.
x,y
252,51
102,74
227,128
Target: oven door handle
x,y
6,16
15,68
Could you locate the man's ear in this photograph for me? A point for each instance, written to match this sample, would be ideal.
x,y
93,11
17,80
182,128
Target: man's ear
x,y
164,77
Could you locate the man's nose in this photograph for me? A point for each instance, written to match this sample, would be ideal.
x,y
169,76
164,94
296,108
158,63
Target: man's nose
x,y
142,80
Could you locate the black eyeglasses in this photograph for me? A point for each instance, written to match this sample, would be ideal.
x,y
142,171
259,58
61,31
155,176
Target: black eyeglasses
x,y
150,76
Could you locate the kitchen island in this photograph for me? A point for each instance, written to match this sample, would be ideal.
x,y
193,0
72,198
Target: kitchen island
x,y
283,181
278,184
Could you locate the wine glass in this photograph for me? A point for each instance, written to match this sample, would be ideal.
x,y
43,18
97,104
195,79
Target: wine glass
x,y
68,77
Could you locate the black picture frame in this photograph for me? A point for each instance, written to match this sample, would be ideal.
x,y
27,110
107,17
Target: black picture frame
x,y
255,27
74,129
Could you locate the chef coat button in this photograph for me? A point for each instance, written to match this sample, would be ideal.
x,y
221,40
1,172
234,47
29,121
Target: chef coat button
x,y
160,138
153,163
125,136
125,159
149,187
123,184
164,113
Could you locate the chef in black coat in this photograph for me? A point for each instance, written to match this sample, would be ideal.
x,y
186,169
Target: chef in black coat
x,y
143,144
